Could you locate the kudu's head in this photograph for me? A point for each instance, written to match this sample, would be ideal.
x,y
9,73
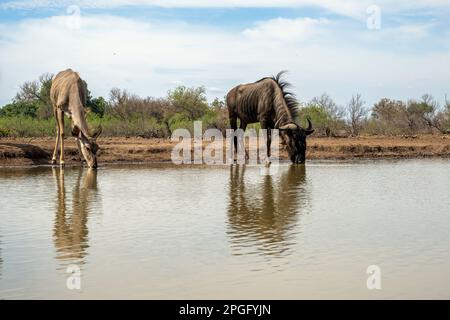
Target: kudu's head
x,y
294,137
89,147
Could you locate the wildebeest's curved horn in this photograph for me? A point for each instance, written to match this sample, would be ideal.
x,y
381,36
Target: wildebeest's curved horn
x,y
310,129
291,126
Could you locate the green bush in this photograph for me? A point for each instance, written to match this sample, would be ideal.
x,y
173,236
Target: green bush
x,y
135,126
180,121
27,127
97,105
20,109
323,123
4,132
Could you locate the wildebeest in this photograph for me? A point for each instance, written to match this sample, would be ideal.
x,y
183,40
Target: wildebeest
x,y
267,101
68,95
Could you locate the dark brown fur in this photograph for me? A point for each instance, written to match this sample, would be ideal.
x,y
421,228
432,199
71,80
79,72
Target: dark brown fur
x,y
267,102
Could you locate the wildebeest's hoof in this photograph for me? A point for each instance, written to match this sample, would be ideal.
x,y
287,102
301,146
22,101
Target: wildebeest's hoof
x,y
267,164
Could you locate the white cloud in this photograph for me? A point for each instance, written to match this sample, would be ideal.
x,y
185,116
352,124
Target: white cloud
x,y
350,8
150,58
286,29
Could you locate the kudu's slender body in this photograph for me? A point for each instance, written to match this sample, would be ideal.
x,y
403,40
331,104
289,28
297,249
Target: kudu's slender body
x,y
267,101
68,95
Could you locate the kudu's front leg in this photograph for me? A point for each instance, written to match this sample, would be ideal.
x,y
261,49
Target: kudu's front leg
x,y
55,150
79,149
60,119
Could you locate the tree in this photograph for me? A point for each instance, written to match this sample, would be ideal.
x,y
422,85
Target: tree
x,y
391,116
38,93
191,102
318,116
20,109
119,103
97,105
357,113
421,114
218,104
325,114
125,105
441,117
326,102
217,116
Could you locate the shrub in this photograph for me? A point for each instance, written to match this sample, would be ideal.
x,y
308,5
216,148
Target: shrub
x,y
4,132
27,127
190,102
20,109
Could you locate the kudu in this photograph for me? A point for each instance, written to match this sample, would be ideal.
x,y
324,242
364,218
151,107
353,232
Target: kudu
x,y
267,101
68,95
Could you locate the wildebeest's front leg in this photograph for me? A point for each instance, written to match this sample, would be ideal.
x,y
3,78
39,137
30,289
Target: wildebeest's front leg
x,y
233,125
268,140
243,127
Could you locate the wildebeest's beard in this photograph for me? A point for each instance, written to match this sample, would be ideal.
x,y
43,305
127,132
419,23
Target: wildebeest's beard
x,y
294,137
295,141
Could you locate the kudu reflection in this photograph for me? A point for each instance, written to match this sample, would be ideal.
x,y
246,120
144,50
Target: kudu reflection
x,y
263,215
70,232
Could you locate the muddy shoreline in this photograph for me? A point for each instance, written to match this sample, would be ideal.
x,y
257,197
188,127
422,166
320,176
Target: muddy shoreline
x,y
17,152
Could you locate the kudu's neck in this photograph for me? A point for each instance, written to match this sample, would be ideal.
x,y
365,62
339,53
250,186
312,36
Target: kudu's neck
x,y
78,116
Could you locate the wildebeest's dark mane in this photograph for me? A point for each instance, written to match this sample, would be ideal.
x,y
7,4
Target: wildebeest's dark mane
x,y
289,97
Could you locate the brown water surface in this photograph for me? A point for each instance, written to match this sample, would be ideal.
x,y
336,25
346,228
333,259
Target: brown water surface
x,y
164,231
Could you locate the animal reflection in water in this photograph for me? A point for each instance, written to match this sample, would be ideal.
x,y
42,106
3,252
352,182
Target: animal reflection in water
x,y
70,232
263,211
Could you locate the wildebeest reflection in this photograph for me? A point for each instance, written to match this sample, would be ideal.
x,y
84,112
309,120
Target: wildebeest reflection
x,y
70,232
263,213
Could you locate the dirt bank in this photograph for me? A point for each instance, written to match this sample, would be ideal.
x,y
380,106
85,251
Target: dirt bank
x,y
37,151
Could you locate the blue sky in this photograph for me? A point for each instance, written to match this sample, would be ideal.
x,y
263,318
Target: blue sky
x,y
150,46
